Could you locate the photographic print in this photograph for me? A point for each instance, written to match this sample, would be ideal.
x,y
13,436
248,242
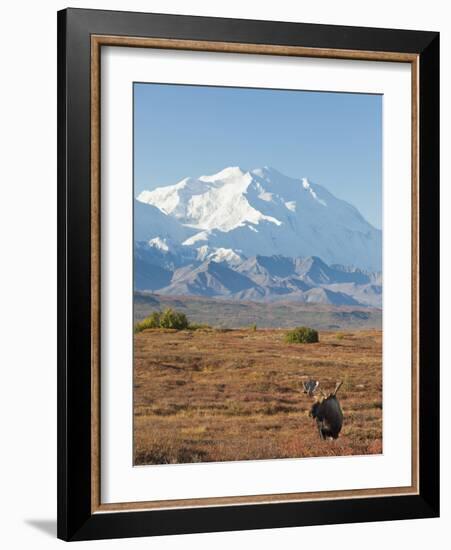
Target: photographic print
x,y
257,274
244,219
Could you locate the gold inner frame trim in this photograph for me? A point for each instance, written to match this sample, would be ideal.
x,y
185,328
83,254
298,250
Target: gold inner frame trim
x,y
97,41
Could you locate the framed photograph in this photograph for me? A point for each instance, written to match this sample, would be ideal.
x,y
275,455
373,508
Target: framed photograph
x,y
248,274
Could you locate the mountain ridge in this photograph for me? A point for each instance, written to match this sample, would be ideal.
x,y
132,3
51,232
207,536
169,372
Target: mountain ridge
x,y
259,278
261,211
255,235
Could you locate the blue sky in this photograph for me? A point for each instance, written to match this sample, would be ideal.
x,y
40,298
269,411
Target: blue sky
x,y
334,139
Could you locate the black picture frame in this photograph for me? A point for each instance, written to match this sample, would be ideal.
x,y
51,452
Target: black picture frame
x,y
75,518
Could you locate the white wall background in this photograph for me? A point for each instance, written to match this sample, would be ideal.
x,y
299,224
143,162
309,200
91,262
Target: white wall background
x,y
28,270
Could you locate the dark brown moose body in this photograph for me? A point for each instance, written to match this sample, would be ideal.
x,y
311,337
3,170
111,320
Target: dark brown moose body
x,y
329,417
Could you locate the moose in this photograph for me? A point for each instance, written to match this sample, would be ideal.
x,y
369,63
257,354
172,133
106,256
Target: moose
x,y
326,410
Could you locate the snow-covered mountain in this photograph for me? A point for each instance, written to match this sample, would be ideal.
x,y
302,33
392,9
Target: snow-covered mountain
x,y
150,222
255,235
237,213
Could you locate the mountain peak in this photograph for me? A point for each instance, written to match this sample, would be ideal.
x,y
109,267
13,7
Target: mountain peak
x,y
262,211
231,172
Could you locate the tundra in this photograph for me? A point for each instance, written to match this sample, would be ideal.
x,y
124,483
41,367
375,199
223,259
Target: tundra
x,y
328,414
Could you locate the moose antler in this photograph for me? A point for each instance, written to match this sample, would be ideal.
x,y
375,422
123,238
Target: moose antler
x,y
323,395
310,386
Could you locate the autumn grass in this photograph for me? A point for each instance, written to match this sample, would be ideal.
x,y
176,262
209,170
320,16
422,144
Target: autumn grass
x,y
220,395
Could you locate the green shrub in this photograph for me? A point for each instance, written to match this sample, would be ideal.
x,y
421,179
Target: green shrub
x,y
302,335
173,319
253,327
169,318
339,336
153,321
